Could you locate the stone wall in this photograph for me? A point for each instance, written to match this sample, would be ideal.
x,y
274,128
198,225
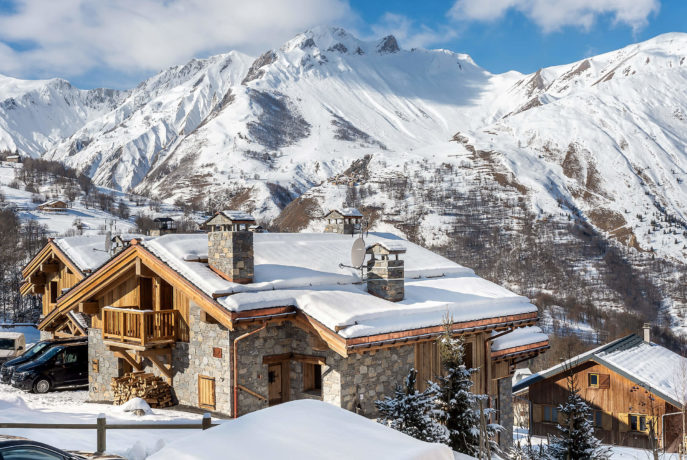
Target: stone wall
x,y
385,279
196,357
353,383
99,388
505,409
46,335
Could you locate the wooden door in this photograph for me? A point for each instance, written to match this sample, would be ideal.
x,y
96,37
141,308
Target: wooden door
x,y
146,294
274,381
206,392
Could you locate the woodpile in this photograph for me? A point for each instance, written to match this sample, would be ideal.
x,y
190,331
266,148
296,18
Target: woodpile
x,y
156,391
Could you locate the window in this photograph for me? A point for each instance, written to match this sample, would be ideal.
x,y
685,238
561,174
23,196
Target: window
x,y
312,377
551,414
29,453
53,291
637,422
594,380
596,417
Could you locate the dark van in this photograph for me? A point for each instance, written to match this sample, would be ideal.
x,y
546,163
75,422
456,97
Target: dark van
x,y
8,367
61,366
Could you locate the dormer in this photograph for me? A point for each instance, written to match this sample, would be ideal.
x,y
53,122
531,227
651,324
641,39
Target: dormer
x,y
346,221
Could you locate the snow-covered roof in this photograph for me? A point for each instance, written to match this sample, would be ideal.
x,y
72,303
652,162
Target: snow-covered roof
x,y
347,212
306,430
519,337
647,364
52,202
302,270
520,374
391,246
237,215
88,252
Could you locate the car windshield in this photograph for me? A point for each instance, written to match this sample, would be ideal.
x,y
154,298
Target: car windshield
x,y
49,354
6,344
36,349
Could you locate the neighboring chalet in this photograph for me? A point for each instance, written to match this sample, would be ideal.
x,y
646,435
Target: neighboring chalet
x,y
346,220
238,320
13,158
163,226
53,206
629,384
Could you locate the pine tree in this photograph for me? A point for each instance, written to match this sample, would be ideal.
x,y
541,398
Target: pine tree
x,y
576,440
458,406
412,412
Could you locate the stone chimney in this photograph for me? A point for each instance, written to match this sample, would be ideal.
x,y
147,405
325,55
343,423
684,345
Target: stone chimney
x,y
346,221
647,332
230,245
385,272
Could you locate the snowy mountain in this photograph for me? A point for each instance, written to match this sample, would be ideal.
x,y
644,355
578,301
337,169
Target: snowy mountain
x,y
34,115
581,156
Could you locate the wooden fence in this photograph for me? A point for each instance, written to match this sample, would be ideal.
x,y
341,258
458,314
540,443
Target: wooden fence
x,y
102,426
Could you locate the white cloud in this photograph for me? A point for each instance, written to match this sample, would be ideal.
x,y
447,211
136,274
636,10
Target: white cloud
x,y
410,34
72,37
552,15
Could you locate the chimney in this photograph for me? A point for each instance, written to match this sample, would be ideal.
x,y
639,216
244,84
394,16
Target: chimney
x,y
647,332
385,272
346,221
230,245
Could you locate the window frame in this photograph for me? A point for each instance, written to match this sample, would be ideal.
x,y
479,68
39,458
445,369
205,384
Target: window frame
x,y
589,379
640,422
312,380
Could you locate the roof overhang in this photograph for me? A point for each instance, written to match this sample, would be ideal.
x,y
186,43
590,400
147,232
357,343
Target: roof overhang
x,y
48,251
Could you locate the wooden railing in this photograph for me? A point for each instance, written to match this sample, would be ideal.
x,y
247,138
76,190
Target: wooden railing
x,y
102,426
139,327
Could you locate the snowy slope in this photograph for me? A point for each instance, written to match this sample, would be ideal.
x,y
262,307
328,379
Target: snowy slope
x,y
119,148
34,115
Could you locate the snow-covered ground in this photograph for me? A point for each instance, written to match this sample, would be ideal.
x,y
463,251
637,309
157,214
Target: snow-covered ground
x,y
93,220
71,407
617,452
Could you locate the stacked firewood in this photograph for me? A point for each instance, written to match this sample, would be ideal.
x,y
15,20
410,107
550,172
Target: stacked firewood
x,y
155,391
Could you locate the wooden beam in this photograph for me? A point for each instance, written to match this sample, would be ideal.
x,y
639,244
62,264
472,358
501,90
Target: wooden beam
x,y
129,359
142,270
50,267
162,366
276,358
89,307
314,327
37,278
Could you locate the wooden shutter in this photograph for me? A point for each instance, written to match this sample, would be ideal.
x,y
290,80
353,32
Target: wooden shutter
x,y
607,421
206,392
604,381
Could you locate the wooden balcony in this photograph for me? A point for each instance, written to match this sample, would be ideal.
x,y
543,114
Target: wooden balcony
x,y
139,329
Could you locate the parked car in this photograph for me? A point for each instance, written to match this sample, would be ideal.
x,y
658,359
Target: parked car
x,y
64,365
12,344
32,353
24,449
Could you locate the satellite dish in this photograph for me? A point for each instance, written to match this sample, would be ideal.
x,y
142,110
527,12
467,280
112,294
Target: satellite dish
x,y
358,253
108,241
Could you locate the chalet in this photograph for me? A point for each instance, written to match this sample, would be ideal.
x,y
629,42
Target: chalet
x,y
53,206
630,384
238,321
13,158
346,220
163,226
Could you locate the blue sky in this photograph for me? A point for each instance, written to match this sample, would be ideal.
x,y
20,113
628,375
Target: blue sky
x,y
117,43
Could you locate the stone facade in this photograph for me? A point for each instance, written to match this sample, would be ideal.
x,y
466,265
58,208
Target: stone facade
x,y
231,254
196,358
505,411
353,383
46,335
108,366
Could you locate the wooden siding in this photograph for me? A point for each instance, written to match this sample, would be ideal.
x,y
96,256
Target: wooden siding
x,y
65,279
616,397
125,294
181,304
